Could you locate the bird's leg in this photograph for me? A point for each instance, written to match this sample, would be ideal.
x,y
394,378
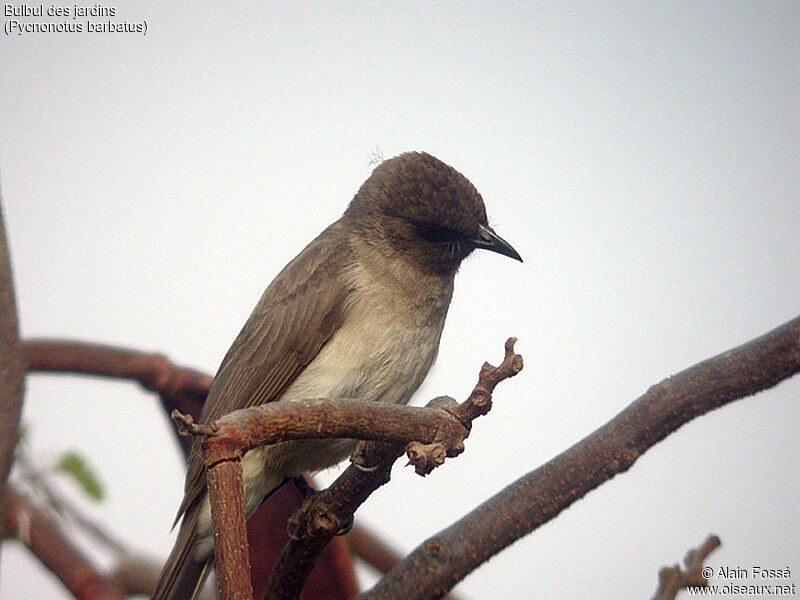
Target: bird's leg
x,y
365,459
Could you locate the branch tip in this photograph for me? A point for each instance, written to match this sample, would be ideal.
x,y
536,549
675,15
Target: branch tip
x,y
695,557
672,580
187,427
425,457
480,400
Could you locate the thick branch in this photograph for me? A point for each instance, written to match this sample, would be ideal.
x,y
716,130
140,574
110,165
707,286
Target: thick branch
x,y
152,370
248,428
179,388
46,541
332,577
12,372
369,547
672,580
324,515
446,558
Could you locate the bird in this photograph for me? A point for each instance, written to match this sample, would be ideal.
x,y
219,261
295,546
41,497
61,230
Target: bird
x,y
357,314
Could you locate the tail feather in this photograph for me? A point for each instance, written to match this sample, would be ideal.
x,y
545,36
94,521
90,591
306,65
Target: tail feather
x,y
182,576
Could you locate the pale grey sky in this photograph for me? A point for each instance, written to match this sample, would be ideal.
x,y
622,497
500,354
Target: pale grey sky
x,y
643,158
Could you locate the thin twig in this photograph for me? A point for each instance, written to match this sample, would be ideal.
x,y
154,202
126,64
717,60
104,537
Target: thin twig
x,y
62,506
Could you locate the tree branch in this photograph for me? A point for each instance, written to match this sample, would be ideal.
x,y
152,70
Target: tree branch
x,y
331,579
226,494
46,541
326,514
430,432
12,372
151,369
179,388
672,580
449,556
370,548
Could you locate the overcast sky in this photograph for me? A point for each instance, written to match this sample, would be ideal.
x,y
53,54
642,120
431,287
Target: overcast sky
x,y
643,159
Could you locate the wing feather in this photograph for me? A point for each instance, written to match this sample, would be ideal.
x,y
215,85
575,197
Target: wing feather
x,y
299,311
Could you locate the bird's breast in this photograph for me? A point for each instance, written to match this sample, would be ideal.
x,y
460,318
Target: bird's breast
x,y
387,341
376,355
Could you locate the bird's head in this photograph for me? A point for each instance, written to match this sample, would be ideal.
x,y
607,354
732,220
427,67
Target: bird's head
x,y
418,206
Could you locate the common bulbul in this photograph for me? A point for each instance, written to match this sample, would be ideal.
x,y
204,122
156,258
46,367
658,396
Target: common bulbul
x,y
357,314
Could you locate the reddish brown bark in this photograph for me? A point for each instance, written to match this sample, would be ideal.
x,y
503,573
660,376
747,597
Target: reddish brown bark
x,y
45,540
225,493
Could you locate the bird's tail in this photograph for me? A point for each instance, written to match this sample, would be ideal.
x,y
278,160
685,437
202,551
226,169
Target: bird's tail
x,y
182,576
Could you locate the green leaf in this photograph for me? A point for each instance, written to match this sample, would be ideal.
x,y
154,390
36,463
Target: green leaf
x,y
74,465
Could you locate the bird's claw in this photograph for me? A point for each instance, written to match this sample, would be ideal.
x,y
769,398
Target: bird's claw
x,y
365,468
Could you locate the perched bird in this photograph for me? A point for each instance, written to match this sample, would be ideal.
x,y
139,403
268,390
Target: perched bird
x,y
357,314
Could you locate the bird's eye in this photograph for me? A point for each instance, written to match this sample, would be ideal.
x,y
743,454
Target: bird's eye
x,y
438,233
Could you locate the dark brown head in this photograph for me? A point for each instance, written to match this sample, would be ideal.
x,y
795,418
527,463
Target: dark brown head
x,y
418,206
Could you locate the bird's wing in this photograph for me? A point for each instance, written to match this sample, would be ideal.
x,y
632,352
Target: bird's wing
x,y
299,311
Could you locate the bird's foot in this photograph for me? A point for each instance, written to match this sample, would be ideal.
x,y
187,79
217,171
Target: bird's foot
x,y
297,520
360,461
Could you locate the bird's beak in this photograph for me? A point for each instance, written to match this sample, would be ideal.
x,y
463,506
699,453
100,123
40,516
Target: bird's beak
x,y
489,240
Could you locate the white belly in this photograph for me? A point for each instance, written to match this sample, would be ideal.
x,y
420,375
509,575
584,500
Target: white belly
x,y
371,358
